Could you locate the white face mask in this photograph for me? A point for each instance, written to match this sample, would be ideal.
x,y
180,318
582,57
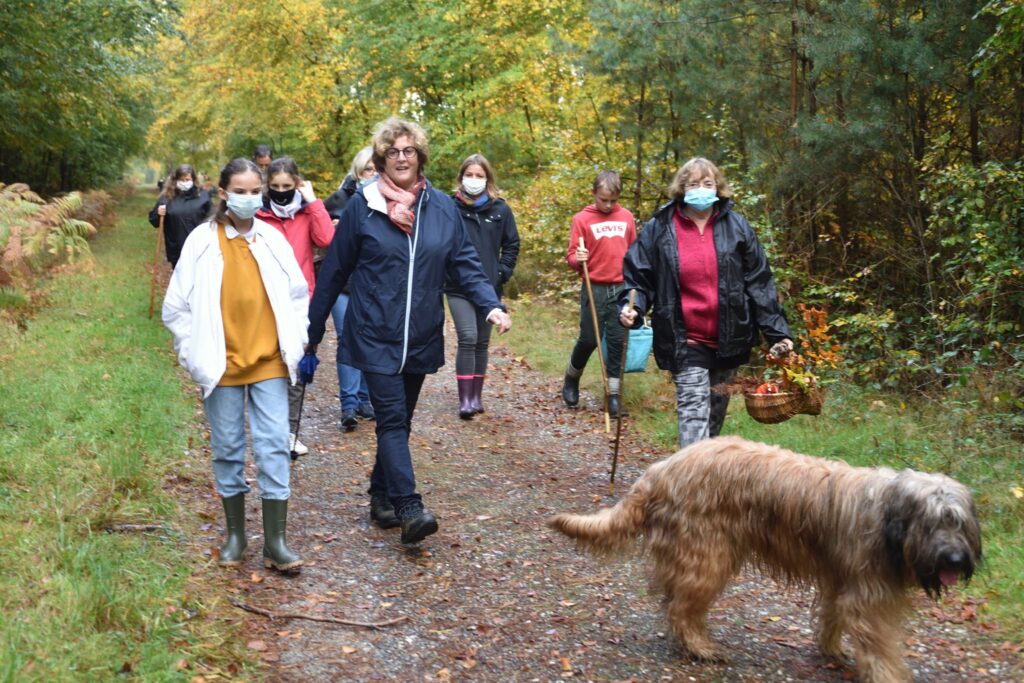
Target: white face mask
x,y
185,185
474,186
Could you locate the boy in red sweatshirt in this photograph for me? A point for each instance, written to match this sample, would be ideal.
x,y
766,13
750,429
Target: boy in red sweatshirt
x,y
607,230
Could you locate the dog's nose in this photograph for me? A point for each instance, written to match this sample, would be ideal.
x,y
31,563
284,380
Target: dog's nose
x,y
955,558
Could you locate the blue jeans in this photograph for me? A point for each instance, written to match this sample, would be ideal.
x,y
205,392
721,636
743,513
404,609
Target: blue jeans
x,y
268,423
353,391
394,400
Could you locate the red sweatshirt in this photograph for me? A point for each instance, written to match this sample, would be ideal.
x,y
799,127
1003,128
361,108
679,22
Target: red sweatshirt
x,y
698,279
606,236
311,226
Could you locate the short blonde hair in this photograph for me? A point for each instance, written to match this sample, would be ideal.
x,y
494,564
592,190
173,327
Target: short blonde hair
x,y
386,132
481,161
359,162
698,168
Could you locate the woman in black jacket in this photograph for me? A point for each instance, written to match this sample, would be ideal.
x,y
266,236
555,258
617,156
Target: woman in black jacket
x,y
699,268
492,228
184,205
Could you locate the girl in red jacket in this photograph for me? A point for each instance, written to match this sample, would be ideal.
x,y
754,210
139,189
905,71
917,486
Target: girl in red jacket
x,y
291,206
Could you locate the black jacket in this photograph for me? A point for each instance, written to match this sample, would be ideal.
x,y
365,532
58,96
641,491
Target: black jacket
x,y
747,300
184,213
395,318
492,227
335,204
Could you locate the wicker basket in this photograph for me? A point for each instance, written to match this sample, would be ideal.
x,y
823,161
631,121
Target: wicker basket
x,y
775,408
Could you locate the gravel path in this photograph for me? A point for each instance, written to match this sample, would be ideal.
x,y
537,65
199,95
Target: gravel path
x,y
496,596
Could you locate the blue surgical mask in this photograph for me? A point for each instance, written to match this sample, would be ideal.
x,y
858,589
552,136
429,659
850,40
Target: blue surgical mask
x,y
701,198
244,206
363,182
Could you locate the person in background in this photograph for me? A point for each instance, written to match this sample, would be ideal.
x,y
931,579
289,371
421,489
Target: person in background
x,y
492,228
262,155
291,206
236,307
399,238
360,172
607,230
702,271
184,205
353,393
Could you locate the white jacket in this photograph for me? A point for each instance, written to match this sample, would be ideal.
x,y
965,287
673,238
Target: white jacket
x,y
192,306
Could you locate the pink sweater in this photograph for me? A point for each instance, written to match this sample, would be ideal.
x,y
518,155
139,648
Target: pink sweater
x,y
311,226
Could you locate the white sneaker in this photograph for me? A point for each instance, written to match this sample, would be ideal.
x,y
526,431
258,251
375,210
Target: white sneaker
x,y
298,448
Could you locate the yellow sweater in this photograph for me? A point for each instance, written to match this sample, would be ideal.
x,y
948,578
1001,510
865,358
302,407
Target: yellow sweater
x,y
250,329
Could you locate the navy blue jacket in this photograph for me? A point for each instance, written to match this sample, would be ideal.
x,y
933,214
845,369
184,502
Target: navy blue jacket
x,y
395,318
747,299
492,227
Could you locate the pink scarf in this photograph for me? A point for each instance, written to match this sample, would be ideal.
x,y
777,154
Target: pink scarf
x,y
400,202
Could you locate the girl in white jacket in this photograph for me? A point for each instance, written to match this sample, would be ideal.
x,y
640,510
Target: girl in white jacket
x,y
236,306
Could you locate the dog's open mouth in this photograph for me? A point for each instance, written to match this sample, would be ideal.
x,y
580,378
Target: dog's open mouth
x,y
949,577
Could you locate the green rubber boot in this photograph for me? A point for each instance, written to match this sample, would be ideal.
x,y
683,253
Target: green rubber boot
x,y
234,546
276,553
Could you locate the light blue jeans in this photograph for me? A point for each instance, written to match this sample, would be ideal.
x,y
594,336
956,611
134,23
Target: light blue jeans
x,y
268,423
351,384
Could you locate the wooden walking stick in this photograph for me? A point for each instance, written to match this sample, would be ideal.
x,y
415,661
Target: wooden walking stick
x,y
597,333
156,265
622,376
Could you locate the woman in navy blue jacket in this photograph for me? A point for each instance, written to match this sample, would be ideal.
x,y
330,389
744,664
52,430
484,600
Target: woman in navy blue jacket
x,y
396,243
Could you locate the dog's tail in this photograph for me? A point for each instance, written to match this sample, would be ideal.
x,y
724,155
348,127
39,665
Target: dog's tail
x,y
610,531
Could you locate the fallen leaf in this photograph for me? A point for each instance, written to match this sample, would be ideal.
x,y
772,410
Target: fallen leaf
x,y
467,663
347,649
257,645
566,664
256,578
444,675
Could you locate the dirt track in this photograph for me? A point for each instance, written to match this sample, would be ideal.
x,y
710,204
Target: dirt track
x,y
495,596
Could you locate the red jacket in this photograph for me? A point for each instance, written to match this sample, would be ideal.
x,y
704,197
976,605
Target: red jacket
x,y
311,226
606,236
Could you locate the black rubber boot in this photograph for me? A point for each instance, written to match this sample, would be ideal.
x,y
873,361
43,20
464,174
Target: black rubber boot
x,y
276,553
417,523
571,391
466,411
382,512
614,405
234,546
476,398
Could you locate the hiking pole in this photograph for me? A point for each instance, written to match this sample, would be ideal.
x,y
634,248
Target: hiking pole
x,y
156,265
600,356
298,421
622,376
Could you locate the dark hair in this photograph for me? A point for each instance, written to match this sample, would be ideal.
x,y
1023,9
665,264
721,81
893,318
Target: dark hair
x,y
262,151
233,168
284,165
170,189
609,180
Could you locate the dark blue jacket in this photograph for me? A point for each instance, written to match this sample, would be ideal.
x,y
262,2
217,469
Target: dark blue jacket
x,y
492,227
395,318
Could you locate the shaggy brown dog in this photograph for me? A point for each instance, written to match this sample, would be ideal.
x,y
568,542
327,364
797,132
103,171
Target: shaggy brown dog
x,y
861,536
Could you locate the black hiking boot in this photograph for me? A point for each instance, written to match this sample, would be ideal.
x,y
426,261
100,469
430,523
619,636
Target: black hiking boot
x,y
382,512
615,406
348,420
417,523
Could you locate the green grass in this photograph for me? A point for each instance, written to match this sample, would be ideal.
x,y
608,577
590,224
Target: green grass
x,y
862,428
93,415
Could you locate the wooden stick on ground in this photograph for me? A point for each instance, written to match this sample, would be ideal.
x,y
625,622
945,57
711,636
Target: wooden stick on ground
x,y
330,620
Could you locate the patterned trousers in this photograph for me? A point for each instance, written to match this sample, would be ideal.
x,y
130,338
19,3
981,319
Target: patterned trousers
x,y
700,411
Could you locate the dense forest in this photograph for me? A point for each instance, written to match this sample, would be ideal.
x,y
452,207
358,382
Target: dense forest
x,y
876,145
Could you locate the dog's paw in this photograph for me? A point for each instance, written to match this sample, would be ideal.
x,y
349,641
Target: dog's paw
x,y
707,652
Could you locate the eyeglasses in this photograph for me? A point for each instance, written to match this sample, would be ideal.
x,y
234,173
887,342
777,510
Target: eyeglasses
x,y
709,183
407,153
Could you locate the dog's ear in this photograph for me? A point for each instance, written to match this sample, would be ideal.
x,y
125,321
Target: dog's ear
x,y
895,534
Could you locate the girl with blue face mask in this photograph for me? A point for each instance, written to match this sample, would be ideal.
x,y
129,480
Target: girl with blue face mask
x,y
699,267
236,306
